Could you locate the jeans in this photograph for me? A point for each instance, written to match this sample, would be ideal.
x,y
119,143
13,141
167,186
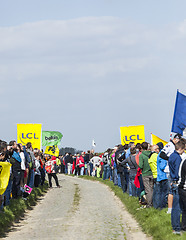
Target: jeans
x,y
115,176
176,211
106,171
8,192
182,195
66,168
111,174
119,180
133,191
125,179
160,194
91,168
82,171
31,179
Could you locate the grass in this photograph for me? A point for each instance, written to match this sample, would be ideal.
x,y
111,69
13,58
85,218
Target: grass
x,y
76,199
153,222
17,207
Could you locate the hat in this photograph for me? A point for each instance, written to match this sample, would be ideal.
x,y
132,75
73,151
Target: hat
x,y
160,145
53,158
178,136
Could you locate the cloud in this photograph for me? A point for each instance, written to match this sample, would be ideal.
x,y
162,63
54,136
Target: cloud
x,y
91,64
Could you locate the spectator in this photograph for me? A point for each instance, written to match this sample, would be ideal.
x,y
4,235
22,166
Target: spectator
x,y
146,173
174,164
133,167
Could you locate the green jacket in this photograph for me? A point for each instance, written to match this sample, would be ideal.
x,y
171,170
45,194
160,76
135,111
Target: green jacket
x,y
143,163
153,164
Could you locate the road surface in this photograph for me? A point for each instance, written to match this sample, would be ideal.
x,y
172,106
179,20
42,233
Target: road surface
x,y
80,209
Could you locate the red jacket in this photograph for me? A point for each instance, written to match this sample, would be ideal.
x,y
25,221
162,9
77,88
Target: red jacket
x,y
80,162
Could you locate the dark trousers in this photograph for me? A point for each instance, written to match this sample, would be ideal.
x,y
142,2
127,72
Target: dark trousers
x,y
182,194
160,194
42,176
50,175
37,180
16,184
62,168
124,179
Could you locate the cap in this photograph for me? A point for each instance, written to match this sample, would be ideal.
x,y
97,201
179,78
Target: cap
x,y
178,136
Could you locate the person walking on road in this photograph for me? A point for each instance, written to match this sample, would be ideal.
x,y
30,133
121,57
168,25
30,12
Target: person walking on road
x,y
50,166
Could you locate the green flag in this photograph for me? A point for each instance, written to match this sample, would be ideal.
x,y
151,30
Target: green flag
x,y
50,138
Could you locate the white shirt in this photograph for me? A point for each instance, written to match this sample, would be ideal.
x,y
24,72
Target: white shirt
x,y
95,160
168,150
22,155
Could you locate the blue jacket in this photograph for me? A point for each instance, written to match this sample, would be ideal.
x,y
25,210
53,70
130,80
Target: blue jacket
x,y
161,165
174,164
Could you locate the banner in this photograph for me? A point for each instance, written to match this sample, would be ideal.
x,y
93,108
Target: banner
x,y
134,134
155,140
29,133
179,119
52,150
4,176
50,138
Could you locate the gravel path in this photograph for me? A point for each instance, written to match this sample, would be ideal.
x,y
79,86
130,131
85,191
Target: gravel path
x,y
81,209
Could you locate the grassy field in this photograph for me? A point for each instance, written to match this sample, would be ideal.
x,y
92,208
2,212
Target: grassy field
x,y
153,222
18,206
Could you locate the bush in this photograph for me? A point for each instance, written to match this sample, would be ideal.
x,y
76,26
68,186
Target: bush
x,y
18,206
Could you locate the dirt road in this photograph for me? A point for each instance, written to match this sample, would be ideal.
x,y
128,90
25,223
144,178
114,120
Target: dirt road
x,y
80,209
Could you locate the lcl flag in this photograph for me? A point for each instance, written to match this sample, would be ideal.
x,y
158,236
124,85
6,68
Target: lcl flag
x,y
179,118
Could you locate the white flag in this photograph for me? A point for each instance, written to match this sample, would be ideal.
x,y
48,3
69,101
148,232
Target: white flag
x,y
93,143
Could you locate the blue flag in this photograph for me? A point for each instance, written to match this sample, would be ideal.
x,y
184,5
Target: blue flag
x,y
179,119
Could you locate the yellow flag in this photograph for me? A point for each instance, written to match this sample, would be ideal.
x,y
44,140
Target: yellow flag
x,y
155,140
134,134
29,133
4,176
52,150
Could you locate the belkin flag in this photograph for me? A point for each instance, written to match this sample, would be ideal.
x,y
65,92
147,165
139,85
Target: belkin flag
x,y
50,138
179,119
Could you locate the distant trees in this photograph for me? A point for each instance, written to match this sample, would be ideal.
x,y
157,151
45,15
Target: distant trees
x,y
71,150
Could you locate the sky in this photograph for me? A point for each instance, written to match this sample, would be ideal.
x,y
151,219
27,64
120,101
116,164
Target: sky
x,y
86,68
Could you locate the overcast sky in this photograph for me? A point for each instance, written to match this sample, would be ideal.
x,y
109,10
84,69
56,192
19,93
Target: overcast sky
x,y
86,67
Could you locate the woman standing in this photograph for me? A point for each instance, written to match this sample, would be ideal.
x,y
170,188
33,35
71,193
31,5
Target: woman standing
x,y
50,168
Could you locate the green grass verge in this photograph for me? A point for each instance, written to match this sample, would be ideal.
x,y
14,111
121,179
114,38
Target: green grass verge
x,y
153,222
18,206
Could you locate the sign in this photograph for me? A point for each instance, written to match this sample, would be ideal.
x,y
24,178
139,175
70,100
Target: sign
x,y
29,133
134,134
50,138
27,189
52,150
155,140
4,176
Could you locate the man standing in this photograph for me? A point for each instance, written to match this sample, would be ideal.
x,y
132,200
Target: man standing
x,y
31,165
182,189
15,160
165,154
146,173
174,164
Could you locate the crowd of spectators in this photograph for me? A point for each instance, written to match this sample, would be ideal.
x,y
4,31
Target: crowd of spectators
x,y
156,174
27,168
